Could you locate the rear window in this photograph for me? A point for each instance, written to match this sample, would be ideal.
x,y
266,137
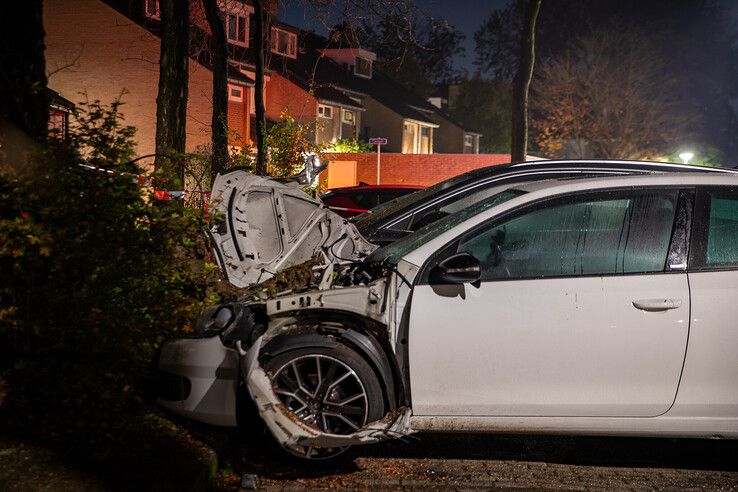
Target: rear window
x,y
722,232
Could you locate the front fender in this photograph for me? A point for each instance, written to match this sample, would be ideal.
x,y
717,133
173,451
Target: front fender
x,y
198,379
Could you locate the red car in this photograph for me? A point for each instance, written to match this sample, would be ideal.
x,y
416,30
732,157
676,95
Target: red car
x,y
355,200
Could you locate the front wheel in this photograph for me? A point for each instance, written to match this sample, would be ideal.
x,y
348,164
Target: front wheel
x,y
332,389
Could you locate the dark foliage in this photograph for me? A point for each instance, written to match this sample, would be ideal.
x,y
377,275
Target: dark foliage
x,y
23,100
94,275
695,40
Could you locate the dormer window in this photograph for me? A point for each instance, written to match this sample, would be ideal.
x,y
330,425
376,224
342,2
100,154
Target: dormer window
x,y
151,9
237,27
284,42
363,67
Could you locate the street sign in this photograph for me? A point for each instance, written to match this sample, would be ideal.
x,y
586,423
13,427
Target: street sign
x,y
378,141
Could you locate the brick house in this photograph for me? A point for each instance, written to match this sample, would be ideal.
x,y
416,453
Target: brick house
x,y
377,105
106,47
99,50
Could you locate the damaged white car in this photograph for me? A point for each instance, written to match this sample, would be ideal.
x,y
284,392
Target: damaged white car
x,y
592,306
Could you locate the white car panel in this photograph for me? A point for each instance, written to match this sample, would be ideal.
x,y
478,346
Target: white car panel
x,y
710,379
213,373
663,426
268,226
556,347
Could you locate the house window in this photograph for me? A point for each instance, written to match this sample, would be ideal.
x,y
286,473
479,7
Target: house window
x,y
325,111
424,145
284,43
417,139
237,28
58,122
348,117
363,67
235,93
151,9
468,140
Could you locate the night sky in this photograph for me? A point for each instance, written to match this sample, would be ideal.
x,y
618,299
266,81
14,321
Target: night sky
x,y
465,15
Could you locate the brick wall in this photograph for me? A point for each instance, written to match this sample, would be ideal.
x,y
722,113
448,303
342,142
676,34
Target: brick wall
x,y
94,49
418,169
285,96
238,120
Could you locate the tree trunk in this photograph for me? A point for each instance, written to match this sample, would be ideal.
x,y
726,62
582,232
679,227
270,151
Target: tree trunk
x,y
171,102
219,56
23,100
259,43
521,82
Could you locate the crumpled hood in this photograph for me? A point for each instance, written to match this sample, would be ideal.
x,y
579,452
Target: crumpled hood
x,y
265,226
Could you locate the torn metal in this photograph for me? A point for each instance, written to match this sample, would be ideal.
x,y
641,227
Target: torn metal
x,y
265,225
291,431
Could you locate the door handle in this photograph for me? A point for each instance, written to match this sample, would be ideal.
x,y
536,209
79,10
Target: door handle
x,y
653,305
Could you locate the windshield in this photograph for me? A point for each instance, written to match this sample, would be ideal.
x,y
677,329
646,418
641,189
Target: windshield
x,y
393,252
378,214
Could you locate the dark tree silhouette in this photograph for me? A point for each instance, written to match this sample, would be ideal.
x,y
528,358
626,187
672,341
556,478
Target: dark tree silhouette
x,y
23,100
219,56
521,82
259,43
171,101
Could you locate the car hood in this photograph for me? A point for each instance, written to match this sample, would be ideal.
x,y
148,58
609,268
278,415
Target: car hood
x,y
264,226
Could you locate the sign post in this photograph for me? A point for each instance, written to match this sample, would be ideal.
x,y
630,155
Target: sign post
x,y
378,141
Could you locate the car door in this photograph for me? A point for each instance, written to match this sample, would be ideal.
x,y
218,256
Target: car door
x,y
709,385
578,312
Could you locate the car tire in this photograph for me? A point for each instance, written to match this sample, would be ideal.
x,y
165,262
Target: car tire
x,y
337,391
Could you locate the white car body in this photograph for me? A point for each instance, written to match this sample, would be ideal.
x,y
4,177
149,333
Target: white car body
x,y
267,226
642,353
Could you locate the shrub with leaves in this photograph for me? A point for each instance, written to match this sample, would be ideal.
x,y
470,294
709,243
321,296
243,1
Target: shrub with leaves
x,y
350,146
288,142
94,275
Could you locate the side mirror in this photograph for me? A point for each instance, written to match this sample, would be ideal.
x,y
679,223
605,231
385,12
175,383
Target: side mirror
x,y
461,268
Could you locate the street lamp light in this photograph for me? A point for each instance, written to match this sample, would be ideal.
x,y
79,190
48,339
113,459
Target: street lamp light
x,y
686,157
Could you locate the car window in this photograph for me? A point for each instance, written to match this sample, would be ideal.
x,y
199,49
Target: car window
x,y
449,206
395,251
369,221
365,199
587,236
339,200
722,231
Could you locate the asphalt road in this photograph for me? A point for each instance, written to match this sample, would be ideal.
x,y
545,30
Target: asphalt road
x,y
473,462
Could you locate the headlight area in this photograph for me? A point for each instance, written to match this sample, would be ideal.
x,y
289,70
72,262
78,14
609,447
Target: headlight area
x,y
232,322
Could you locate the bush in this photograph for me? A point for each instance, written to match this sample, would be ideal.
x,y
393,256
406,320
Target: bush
x,y
288,142
94,275
351,146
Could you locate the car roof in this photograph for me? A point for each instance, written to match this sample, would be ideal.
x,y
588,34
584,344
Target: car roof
x,y
598,164
560,187
396,210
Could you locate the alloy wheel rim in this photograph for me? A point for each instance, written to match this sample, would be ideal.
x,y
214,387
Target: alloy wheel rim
x,y
326,394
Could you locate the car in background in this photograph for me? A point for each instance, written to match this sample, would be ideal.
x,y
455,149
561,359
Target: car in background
x,y
602,306
354,200
400,217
